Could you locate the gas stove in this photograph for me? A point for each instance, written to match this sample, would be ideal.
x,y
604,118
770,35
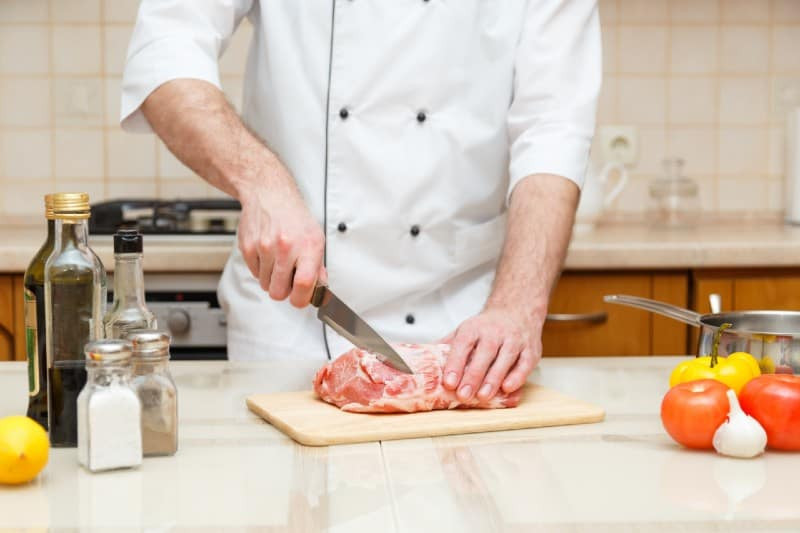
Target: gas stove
x,y
166,217
185,303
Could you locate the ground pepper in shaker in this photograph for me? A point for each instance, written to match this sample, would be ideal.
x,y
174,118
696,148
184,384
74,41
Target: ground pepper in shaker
x,y
109,411
156,389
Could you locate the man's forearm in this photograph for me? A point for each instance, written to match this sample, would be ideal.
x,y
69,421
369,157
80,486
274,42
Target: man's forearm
x,y
541,213
200,127
280,241
500,346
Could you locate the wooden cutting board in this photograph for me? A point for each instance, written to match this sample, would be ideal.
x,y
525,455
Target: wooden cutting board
x,y
310,421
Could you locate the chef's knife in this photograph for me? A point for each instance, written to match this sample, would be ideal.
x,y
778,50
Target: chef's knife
x,y
349,325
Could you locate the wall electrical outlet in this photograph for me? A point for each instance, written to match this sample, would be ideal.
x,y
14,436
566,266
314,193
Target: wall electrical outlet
x,y
619,144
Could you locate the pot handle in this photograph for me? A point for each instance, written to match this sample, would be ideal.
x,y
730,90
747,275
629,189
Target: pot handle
x,y
668,310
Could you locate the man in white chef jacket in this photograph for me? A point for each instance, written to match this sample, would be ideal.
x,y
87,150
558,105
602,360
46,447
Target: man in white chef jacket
x,y
423,157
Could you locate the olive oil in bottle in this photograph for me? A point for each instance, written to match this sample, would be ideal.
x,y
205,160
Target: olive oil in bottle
x,y
75,295
35,343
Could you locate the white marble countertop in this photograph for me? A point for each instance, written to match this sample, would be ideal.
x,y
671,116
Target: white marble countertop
x,y
234,472
173,253
613,246
710,245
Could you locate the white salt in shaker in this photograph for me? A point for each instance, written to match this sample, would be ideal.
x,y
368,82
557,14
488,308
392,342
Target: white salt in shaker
x,y
109,411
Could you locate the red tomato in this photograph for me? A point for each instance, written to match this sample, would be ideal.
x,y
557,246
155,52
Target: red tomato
x,y
691,412
774,400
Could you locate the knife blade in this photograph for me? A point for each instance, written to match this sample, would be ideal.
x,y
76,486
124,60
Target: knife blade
x,y
335,313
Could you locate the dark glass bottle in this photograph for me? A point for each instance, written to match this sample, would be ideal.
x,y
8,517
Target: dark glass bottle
x,y
75,295
35,340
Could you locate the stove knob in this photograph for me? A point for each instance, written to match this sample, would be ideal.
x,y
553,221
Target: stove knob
x,y
178,321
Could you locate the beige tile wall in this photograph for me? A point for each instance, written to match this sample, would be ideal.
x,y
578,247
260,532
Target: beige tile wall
x,y
706,80
60,67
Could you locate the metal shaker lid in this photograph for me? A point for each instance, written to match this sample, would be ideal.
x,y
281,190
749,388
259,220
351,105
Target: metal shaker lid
x,y
108,351
148,342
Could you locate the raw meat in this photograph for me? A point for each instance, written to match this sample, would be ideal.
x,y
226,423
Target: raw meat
x,y
357,381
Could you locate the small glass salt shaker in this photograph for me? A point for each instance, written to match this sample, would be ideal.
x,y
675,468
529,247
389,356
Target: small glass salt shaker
x,y
109,411
156,389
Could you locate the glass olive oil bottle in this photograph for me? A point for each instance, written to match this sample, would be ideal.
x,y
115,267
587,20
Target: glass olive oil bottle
x,y
75,295
35,344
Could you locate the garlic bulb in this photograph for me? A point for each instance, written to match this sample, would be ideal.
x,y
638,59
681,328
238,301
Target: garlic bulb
x,y
740,435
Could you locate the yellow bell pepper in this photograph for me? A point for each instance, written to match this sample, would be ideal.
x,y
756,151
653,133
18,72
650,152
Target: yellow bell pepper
x,y
734,371
767,365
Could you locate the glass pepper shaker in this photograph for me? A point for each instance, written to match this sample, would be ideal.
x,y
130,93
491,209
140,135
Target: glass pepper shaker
x,y
156,389
109,411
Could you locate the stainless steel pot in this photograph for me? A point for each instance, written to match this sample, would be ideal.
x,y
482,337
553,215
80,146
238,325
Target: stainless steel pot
x,y
772,337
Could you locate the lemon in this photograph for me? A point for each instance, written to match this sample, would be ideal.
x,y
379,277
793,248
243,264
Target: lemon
x,y
24,448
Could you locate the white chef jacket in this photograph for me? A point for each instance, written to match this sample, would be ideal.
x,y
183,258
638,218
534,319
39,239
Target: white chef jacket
x,y
406,124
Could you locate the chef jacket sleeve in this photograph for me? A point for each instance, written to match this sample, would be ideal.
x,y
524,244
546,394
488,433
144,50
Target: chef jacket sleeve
x,y
175,39
557,76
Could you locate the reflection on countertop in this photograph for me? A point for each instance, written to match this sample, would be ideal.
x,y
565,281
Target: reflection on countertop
x,y
234,471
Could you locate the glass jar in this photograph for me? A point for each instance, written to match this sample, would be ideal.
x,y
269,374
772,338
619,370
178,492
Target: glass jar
x,y
156,389
109,411
675,200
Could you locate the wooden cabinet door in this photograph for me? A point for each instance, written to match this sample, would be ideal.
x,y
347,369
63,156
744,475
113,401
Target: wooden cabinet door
x,y
20,353
772,292
743,290
587,326
6,318
670,337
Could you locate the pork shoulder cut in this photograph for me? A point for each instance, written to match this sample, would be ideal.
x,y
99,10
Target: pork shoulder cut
x,y
358,381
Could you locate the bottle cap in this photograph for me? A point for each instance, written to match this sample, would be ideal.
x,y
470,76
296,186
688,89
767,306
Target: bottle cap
x,y
108,351
148,342
48,207
127,241
70,205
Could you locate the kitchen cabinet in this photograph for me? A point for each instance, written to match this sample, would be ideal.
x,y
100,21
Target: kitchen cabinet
x,y
580,323
12,319
745,289
7,318
20,352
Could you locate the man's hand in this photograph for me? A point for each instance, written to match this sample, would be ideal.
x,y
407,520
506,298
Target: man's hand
x,y
281,242
499,347
492,350
277,234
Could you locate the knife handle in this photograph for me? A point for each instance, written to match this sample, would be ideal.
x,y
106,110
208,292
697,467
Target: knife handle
x,y
318,296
